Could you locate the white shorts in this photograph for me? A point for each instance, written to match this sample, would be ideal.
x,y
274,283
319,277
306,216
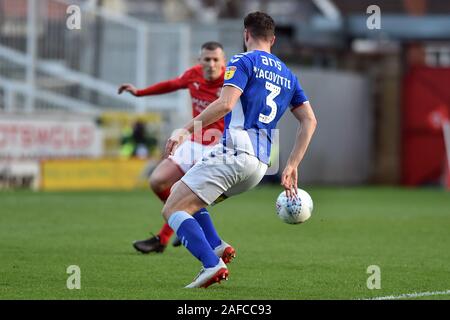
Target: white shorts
x,y
188,153
223,173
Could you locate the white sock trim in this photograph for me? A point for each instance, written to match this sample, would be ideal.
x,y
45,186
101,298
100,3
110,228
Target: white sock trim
x,y
222,243
177,218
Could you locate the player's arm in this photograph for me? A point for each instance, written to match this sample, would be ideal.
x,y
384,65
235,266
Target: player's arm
x,y
214,112
217,109
235,79
157,88
305,115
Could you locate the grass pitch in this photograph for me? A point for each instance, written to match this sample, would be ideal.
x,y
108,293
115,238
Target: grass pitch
x,y
404,232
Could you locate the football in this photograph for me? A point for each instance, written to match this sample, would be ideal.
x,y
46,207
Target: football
x,y
296,210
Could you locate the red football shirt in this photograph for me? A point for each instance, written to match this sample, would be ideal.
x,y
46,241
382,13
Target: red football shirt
x,y
202,93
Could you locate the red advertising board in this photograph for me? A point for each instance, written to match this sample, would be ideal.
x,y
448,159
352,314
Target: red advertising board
x,y
426,93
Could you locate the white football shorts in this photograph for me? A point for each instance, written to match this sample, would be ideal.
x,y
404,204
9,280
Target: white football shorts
x,y
188,153
223,173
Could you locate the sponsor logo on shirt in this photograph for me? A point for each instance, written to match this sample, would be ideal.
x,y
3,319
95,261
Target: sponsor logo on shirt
x,y
229,72
199,104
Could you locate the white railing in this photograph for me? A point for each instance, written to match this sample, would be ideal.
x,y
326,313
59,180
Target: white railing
x,y
49,66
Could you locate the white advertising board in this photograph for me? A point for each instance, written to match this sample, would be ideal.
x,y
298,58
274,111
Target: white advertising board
x,y
35,138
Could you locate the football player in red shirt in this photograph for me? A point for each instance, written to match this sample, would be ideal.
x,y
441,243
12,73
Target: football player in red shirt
x,y
204,82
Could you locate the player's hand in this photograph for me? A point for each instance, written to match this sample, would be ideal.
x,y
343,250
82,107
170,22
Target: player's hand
x,y
289,181
176,139
128,88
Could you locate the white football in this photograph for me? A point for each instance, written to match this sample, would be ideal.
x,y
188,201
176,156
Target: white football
x,y
297,210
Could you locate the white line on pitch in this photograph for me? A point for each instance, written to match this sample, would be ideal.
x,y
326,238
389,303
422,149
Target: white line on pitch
x,y
411,295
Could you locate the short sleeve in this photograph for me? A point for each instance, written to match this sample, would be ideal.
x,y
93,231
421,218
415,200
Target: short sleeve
x,y
299,96
237,72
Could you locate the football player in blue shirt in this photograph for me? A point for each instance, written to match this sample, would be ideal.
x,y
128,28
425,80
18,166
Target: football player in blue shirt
x,y
258,89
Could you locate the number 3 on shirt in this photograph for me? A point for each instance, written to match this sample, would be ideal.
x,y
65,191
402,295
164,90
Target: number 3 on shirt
x,y
274,92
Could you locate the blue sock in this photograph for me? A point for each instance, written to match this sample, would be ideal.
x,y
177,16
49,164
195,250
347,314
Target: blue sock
x,y
193,238
204,220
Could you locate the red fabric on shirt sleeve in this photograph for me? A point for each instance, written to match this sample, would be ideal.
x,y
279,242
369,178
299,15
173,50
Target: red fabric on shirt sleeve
x,y
166,86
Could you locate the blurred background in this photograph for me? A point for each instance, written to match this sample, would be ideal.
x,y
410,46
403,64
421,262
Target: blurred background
x,y
381,93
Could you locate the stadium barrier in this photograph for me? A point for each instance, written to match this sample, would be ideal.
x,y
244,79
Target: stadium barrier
x,y
19,174
95,174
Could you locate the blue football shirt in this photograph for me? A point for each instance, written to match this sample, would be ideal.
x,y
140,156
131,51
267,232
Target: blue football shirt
x,y
268,89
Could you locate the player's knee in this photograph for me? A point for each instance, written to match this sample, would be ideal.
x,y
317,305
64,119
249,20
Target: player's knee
x,y
166,212
174,186
157,183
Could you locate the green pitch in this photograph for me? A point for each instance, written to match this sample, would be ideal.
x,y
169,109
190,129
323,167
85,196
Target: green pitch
x,y
404,232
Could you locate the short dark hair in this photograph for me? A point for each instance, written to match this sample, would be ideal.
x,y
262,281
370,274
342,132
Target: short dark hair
x,y
260,25
212,45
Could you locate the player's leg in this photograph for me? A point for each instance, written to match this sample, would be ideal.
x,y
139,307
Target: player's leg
x,y
178,211
220,247
184,158
203,184
163,177
161,181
